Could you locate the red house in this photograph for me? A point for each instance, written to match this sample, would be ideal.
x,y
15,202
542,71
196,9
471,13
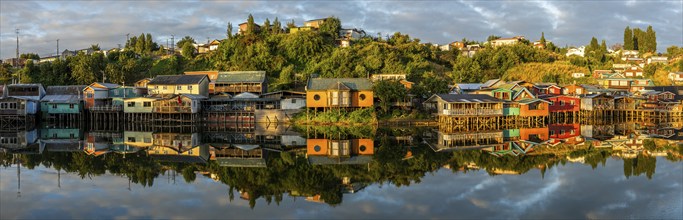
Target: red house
x,y
566,133
563,103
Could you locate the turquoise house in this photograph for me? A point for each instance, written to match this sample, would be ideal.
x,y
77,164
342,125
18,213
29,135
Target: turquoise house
x,y
60,133
62,100
119,94
511,134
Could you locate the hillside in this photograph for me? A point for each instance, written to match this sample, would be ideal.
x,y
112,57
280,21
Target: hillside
x,y
558,72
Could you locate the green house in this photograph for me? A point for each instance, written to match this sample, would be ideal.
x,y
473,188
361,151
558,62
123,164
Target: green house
x,y
119,94
511,134
62,100
60,133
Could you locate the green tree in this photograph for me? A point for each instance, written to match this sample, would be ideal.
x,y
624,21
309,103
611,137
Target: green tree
x,y
651,39
140,44
229,31
31,56
188,50
186,39
542,38
388,91
251,26
330,28
628,39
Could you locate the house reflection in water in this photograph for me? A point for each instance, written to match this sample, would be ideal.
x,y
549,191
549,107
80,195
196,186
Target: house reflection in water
x,y
100,143
565,134
461,141
348,151
175,147
61,139
242,155
13,141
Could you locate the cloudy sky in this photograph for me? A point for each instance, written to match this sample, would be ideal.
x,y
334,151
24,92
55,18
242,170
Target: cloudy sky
x,y
79,24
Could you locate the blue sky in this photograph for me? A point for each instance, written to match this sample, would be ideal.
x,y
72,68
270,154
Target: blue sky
x,y
79,24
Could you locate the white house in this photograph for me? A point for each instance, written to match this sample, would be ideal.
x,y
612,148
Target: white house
x,y
506,41
657,59
578,75
576,51
677,77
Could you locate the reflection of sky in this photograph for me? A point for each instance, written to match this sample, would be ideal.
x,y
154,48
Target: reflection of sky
x,y
570,191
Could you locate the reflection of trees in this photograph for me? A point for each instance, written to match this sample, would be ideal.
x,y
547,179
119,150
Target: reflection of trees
x,y
640,165
290,173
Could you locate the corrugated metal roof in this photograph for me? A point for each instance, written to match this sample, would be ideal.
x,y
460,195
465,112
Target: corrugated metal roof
x,y
355,84
468,98
469,86
65,90
241,77
177,79
61,98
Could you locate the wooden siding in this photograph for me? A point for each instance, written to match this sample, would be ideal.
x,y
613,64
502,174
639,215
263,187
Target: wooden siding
x,y
14,106
339,148
196,89
61,108
542,109
325,99
534,134
235,88
172,105
138,105
564,104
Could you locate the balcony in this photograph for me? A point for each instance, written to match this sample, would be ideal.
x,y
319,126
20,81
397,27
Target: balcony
x,y
472,112
173,109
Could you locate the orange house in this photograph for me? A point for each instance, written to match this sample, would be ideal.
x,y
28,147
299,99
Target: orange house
x,y
339,93
537,135
533,107
339,148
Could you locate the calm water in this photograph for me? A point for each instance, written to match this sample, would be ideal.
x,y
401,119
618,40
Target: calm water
x,y
258,171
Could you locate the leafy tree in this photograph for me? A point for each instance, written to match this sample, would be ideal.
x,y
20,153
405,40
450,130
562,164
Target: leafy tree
x,y
330,28
5,73
87,69
186,39
95,47
31,56
388,91
492,37
188,50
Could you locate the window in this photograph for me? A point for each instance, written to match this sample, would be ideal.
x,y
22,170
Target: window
x,y
148,140
293,101
147,104
89,95
552,133
316,148
362,97
72,136
561,103
189,87
131,104
156,87
572,102
164,87
362,148
579,91
71,106
316,97
54,135
54,105
13,105
572,131
179,87
131,139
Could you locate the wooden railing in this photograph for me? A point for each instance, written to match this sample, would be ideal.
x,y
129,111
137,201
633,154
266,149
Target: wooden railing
x,y
108,108
173,109
472,112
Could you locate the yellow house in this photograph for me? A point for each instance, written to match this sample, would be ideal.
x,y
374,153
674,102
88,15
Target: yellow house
x,y
339,93
179,84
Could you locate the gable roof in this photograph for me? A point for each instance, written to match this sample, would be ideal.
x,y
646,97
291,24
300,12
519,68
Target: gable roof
x,y
491,82
176,79
467,98
241,77
103,86
355,84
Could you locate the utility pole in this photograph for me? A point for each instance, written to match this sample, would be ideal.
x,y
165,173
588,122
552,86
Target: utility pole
x,y
167,46
16,62
58,49
172,44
